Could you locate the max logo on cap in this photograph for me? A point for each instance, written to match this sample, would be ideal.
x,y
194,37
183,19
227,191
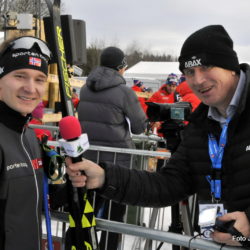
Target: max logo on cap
x,y
193,63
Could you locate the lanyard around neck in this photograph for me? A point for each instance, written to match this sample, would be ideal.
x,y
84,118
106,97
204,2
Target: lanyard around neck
x,y
216,155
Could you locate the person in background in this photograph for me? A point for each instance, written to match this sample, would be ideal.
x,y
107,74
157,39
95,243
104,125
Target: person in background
x,y
166,94
186,93
75,98
140,87
213,157
37,115
109,112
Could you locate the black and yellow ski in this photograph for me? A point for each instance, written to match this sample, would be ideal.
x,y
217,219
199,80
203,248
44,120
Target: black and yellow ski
x,y
81,234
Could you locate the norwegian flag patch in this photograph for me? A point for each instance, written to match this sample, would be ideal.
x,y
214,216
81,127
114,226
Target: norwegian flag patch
x,y
35,61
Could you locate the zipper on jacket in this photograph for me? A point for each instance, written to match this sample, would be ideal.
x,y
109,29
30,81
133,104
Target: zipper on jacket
x,y
37,191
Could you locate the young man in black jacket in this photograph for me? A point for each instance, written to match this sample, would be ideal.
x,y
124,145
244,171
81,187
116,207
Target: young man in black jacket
x,y
213,157
23,75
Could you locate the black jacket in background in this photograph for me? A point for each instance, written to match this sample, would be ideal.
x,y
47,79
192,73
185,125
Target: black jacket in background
x,y
106,104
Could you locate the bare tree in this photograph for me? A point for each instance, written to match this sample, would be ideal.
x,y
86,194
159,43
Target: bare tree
x,y
24,6
93,55
36,7
133,53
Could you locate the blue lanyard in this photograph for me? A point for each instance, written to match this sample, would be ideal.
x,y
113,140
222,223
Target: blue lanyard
x,y
216,154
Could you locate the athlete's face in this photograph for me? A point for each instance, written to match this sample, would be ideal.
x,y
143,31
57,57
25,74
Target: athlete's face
x,y
23,89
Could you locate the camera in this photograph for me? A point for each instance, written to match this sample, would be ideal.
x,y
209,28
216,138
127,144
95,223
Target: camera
x,y
172,116
178,111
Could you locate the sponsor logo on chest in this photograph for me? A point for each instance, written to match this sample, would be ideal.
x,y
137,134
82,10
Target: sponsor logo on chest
x,y
17,166
36,164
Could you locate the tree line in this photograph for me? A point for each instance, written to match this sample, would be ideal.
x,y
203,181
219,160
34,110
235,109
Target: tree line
x,y
133,54
38,8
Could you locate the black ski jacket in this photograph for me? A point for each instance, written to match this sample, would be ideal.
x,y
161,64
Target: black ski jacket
x,y
21,180
186,171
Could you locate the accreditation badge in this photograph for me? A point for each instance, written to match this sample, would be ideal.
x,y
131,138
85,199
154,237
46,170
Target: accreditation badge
x,y
208,212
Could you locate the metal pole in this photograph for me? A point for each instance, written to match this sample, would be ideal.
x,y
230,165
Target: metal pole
x,y
5,18
176,239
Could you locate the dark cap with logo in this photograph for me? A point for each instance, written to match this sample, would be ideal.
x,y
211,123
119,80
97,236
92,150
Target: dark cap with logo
x,y
209,46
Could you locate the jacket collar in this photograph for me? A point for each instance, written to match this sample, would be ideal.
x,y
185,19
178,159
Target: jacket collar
x,y
246,93
12,119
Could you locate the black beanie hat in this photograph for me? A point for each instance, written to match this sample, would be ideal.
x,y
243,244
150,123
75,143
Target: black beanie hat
x,y
209,46
114,58
23,59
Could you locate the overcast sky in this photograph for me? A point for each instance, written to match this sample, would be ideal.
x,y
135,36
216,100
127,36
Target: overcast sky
x,y
161,25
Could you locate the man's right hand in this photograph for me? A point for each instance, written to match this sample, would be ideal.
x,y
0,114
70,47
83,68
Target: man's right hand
x,y
93,177
241,224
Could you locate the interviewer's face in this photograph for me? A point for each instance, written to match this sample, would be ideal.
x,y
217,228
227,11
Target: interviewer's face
x,y
214,86
23,89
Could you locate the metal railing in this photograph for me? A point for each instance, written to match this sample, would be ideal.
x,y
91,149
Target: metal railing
x,y
143,232
152,233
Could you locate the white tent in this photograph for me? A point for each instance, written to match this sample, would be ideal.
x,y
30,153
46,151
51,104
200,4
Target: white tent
x,y
156,70
152,74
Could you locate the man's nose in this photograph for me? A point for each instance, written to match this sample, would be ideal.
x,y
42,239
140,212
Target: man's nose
x,y
199,77
30,85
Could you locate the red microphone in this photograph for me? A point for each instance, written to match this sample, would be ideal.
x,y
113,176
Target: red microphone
x,y
73,143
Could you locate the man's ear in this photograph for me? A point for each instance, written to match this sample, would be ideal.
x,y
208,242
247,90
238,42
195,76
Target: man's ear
x,y
121,71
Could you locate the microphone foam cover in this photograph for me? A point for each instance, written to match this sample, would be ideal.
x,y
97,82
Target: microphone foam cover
x,y
70,127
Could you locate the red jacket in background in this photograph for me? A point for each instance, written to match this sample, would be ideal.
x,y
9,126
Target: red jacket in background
x,y
40,132
187,95
75,102
141,99
162,96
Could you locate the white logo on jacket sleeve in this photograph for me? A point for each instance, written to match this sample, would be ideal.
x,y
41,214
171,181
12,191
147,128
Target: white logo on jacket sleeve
x,y
248,148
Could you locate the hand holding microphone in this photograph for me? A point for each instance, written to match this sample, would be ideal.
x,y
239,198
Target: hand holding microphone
x,y
93,177
82,226
74,144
